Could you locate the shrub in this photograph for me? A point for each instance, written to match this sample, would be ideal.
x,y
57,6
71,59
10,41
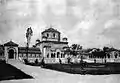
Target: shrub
x,y
36,61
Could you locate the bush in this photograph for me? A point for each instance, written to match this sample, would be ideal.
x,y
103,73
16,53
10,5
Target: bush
x,y
36,61
2,61
25,61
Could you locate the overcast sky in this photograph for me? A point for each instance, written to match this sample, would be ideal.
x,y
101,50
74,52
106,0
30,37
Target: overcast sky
x,y
91,23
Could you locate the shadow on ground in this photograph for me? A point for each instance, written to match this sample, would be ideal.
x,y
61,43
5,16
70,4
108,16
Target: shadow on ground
x,y
9,72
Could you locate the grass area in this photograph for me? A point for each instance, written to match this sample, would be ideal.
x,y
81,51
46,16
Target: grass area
x,y
8,72
88,68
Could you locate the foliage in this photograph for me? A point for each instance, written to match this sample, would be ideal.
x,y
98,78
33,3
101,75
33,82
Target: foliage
x,y
36,61
109,49
76,47
99,54
73,49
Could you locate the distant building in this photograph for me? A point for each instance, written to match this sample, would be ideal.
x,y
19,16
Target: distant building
x,y
52,46
11,50
101,57
2,52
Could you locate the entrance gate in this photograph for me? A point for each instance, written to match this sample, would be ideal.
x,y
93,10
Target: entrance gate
x,y
11,54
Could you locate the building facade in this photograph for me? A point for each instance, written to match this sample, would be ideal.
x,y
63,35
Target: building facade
x,y
12,50
103,57
52,46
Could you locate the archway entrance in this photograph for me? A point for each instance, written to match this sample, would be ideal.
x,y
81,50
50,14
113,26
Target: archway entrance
x,y
11,54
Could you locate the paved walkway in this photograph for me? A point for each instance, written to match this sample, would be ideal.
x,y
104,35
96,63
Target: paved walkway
x,y
49,76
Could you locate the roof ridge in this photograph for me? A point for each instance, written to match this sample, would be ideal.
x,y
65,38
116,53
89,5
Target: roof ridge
x,y
11,43
50,30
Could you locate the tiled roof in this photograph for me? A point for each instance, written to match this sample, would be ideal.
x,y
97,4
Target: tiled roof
x,y
10,43
30,50
50,30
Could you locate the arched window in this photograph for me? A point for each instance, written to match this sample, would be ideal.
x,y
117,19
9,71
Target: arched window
x,y
48,55
47,35
58,53
108,55
29,55
37,55
33,55
52,55
62,55
53,35
115,55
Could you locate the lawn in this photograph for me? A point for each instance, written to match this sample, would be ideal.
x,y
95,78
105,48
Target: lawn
x,y
8,72
88,68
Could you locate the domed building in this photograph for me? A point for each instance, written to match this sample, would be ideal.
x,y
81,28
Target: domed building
x,y
52,46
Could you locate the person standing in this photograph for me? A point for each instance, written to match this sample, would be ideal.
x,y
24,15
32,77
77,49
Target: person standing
x,y
60,61
42,62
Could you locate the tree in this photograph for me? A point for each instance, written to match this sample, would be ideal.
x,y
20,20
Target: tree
x,y
75,49
106,49
97,53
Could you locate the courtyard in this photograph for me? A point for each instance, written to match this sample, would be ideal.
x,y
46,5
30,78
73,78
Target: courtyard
x,y
42,75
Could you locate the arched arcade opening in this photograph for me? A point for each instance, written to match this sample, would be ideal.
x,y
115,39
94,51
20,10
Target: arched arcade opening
x,y
11,54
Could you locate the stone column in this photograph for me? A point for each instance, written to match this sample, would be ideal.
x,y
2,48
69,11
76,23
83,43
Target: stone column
x,y
44,52
6,54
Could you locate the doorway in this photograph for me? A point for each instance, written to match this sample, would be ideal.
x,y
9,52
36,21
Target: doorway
x,y
11,54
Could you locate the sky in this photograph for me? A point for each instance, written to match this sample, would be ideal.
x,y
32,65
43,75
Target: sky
x,y
90,23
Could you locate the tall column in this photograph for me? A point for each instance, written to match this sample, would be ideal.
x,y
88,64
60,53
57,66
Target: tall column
x,y
44,52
